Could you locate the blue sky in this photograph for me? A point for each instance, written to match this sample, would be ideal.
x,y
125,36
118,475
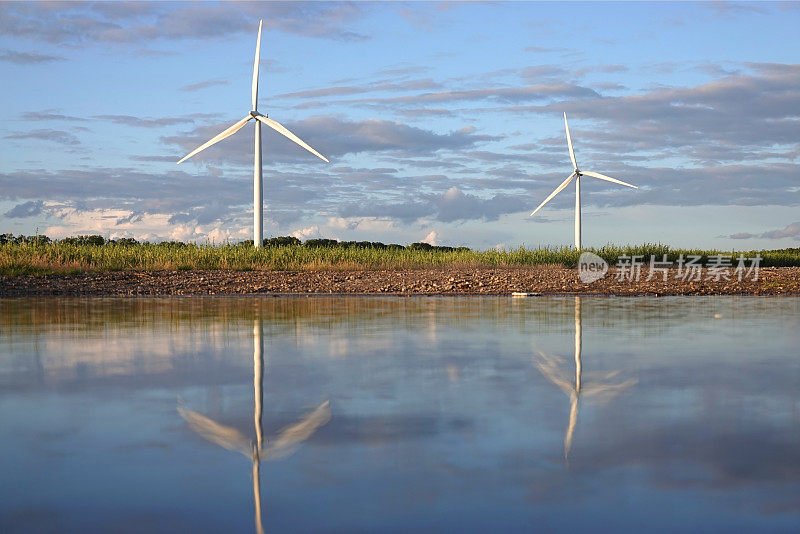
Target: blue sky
x,y
442,121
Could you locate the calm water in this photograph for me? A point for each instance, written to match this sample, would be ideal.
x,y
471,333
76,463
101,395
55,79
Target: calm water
x,y
400,415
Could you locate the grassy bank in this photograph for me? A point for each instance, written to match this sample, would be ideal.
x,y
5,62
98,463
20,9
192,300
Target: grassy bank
x,y
65,257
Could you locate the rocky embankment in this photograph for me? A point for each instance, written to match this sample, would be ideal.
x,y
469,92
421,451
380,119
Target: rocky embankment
x,y
441,281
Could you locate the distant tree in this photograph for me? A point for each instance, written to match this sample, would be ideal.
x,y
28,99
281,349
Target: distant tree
x,y
93,240
172,244
245,243
6,238
437,248
126,242
282,241
317,243
362,244
32,239
371,244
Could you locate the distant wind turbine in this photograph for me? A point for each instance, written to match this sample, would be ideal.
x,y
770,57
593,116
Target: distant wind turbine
x,y
576,174
284,444
258,198
600,387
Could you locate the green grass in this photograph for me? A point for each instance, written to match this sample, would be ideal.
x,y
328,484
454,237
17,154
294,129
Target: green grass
x,y
59,257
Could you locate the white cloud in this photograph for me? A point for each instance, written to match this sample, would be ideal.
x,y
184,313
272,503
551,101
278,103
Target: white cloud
x,y
342,223
104,222
364,224
431,238
791,230
117,223
311,232
78,24
453,193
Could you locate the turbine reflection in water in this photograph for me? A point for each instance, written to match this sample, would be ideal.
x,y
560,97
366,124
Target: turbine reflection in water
x,y
284,444
600,387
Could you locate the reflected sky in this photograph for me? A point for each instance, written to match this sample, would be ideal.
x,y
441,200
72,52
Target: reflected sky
x,y
399,414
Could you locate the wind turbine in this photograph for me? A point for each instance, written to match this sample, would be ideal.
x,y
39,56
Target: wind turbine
x,y
258,197
284,444
576,174
600,386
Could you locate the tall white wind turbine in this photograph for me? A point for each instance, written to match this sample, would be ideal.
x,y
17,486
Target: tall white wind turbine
x,y
258,198
576,174
282,445
602,386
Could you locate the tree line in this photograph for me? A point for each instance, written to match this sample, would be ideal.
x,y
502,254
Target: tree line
x,y
281,241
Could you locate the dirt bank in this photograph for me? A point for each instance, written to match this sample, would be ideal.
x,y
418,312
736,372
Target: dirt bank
x,y
445,281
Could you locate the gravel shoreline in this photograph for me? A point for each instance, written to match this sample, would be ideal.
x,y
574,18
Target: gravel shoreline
x,y
545,280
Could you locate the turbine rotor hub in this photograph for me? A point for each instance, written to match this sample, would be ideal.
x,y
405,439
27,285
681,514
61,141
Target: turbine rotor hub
x,y
254,113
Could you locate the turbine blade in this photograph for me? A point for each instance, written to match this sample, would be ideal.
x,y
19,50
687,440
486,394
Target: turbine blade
x,y
569,144
607,178
564,184
283,131
291,436
255,67
228,132
224,436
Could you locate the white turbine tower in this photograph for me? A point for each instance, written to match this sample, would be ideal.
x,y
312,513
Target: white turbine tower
x,y
576,174
258,198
